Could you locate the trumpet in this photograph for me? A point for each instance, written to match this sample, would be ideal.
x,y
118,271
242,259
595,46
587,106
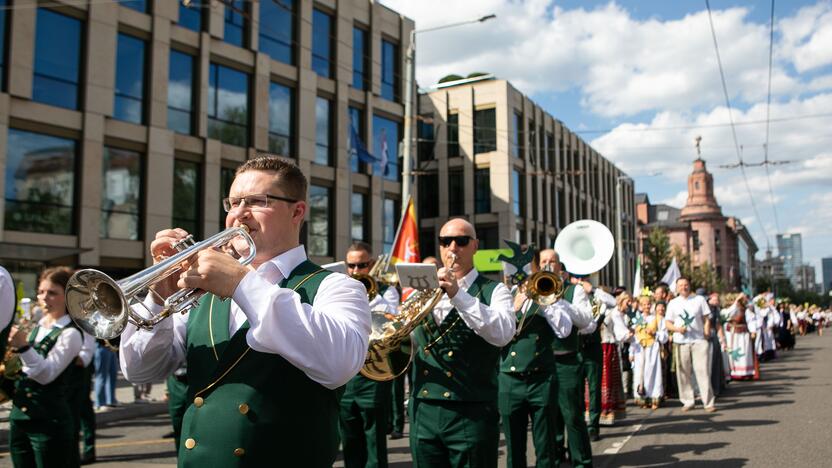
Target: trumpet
x,y
101,306
543,288
376,275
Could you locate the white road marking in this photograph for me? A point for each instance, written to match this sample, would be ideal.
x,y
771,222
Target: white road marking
x,y
617,446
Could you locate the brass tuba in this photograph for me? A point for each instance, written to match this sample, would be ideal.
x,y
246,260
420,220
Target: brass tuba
x,y
102,307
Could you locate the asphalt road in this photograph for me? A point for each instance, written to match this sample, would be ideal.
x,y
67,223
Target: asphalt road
x,y
781,420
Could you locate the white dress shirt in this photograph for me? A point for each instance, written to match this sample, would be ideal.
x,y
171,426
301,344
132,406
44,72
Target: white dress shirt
x,y
556,315
495,323
326,340
696,307
87,349
44,370
7,298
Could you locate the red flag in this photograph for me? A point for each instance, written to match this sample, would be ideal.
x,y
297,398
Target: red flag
x,y
406,245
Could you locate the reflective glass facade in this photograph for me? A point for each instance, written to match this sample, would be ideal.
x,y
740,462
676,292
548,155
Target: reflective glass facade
x,y
228,115
57,73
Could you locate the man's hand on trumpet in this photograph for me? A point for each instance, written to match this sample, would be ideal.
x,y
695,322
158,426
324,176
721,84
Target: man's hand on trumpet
x,y
214,271
161,248
447,278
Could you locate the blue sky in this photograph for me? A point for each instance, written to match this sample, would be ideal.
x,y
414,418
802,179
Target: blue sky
x,y
634,68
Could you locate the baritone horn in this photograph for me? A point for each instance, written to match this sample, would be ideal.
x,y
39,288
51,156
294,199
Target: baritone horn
x,y
101,306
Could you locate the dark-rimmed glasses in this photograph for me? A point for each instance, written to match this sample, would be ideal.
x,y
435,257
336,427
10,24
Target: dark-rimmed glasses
x,y
260,200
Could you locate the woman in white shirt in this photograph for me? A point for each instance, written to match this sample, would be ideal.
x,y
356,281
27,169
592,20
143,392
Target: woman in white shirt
x,y
40,423
614,330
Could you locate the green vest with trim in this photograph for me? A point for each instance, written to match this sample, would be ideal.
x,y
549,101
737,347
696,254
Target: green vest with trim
x,y
570,344
252,409
531,349
34,401
458,365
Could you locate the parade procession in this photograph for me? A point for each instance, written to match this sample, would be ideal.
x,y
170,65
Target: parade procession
x,y
269,233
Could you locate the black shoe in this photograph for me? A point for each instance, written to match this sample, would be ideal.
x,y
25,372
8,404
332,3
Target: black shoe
x,y
594,436
88,458
395,435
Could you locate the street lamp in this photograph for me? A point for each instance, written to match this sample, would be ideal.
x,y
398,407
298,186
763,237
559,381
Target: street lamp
x,y
410,77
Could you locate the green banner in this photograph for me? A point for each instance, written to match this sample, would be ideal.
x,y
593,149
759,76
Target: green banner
x,y
485,261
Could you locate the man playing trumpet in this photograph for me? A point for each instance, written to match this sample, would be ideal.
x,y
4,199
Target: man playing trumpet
x,y
453,409
268,347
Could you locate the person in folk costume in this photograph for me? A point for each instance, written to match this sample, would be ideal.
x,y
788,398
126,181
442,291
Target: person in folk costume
x,y
650,334
660,309
767,318
527,380
786,331
365,403
453,404
717,339
819,319
802,322
739,346
661,296
569,417
614,331
41,422
268,348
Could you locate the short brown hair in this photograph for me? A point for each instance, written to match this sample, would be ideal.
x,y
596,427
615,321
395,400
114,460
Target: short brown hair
x,y
288,174
59,275
360,245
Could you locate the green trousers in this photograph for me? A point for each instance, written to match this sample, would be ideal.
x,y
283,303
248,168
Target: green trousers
x,y
446,434
397,404
571,415
593,367
522,398
42,444
177,405
363,423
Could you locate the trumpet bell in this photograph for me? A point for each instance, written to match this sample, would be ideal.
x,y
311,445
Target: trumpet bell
x,y
584,247
370,284
95,303
544,288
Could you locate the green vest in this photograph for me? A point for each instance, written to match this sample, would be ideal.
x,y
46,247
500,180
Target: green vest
x,y
531,349
34,401
249,408
452,362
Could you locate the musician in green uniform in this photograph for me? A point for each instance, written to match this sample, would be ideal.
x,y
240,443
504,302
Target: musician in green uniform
x,y
365,406
269,347
41,422
570,388
527,380
453,406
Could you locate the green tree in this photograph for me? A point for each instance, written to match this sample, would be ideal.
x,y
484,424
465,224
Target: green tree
x,y
657,256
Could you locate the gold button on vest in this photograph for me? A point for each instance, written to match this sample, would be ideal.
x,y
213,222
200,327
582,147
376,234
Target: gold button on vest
x,y
425,392
514,353
449,374
512,368
447,394
425,372
243,408
239,452
190,443
198,402
29,395
24,409
450,353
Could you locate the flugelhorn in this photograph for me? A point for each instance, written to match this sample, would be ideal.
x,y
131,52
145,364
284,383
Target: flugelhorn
x,y
101,306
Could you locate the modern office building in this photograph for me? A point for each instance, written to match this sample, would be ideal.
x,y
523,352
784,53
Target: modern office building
x,y
826,271
118,119
790,249
490,154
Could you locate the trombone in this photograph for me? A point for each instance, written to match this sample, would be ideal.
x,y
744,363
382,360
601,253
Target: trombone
x,y
544,288
377,275
101,306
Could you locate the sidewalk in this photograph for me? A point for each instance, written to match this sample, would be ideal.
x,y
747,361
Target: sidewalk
x,y
126,408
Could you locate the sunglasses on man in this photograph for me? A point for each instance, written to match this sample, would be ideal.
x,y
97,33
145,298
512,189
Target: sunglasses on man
x,y
360,266
260,200
461,241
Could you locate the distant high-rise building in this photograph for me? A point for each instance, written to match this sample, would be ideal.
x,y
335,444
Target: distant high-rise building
x,y
790,250
826,269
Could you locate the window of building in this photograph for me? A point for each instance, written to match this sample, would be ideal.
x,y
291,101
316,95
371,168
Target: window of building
x,y
695,240
488,236
129,92
180,92
453,135
482,190
40,183
187,196
717,240
517,135
277,29
228,105
121,191
427,242
190,15
389,70
235,22
533,142
515,192
3,28
57,59
138,5
426,138
662,215
485,130
386,146
322,35
320,216
550,152
357,122
281,110
360,58
456,192
360,229
562,222
534,198
323,131
428,196
226,179
390,220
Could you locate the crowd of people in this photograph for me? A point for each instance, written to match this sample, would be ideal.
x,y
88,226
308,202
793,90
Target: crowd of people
x,y
265,371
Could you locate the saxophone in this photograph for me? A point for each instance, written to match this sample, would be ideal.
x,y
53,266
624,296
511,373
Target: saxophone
x,y
11,369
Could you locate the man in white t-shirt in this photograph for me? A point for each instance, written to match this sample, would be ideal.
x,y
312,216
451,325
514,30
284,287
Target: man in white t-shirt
x,y
687,319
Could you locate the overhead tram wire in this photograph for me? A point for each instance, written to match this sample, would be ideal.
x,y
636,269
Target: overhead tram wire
x,y
733,128
768,119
